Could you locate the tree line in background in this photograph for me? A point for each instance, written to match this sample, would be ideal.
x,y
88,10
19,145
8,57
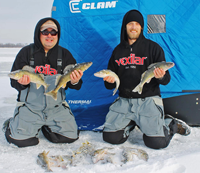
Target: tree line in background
x,y
13,44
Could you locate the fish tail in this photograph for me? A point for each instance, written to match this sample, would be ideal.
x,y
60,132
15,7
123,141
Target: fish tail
x,y
49,170
138,89
38,85
115,90
52,93
46,86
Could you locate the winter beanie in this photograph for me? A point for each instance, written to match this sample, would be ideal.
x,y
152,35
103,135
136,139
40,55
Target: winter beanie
x,y
136,16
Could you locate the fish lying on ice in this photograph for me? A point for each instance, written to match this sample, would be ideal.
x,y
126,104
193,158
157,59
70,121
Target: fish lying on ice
x,y
129,153
86,148
148,74
61,80
87,154
53,161
44,161
61,160
82,155
102,154
38,79
104,73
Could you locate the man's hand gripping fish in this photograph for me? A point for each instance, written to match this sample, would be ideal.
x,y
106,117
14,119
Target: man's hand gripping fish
x,y
62,80
104,73
38,79
149,74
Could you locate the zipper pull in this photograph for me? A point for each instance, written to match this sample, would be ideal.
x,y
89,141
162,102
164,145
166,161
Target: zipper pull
x,y
131,49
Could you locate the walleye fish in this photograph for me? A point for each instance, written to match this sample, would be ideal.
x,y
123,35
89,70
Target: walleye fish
x,y
38,79
86,148
128,154
61,161
104,73
53,161
82,156
62,80
44,160
148,74
102,154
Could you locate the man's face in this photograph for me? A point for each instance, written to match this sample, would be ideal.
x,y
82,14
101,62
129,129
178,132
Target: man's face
x,y
133,30
48,41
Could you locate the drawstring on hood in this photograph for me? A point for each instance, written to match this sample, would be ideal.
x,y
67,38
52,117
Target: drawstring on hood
x,y
132,15
37,41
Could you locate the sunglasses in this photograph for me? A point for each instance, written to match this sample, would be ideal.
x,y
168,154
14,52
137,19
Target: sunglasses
x,y
46,32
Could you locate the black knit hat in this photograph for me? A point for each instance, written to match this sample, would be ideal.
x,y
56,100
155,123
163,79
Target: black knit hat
x,y
136,16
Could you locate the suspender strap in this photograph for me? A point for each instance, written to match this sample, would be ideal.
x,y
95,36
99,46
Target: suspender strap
x,y
59,60
31,55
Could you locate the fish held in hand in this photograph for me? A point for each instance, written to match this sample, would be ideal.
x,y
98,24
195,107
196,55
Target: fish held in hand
x,y
105,73
38,79
61,80
149,74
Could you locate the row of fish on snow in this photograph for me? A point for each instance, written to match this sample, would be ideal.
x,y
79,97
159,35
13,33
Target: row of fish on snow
x,y
61,80
87,154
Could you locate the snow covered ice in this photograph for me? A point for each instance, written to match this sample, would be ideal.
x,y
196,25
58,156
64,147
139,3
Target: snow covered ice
x,y
181,156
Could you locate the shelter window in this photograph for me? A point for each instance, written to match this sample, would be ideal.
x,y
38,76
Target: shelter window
x,y
156,24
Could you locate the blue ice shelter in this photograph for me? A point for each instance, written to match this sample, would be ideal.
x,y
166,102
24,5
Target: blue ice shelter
x,y
90,30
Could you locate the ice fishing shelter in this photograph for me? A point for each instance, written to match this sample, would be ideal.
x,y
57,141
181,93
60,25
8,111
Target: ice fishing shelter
x,y
90,29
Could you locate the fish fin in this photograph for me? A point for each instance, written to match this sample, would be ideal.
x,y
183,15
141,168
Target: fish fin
x,y
57,79
68,68
47,153
38,85
64,85
52,93
149,80
46,86
49,170
29,68
61,158
138,89
155,64
143,75
151,65
41,75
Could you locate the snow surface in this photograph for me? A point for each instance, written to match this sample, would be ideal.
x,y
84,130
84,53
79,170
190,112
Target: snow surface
x,y
181,156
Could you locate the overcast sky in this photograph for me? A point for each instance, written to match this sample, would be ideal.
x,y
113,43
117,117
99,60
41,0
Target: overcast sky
x,y
18,19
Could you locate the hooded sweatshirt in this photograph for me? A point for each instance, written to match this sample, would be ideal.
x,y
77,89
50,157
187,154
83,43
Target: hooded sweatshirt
x,y
129,62
43,60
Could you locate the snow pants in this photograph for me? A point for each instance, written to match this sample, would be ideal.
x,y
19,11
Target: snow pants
x,y
146,113
38,112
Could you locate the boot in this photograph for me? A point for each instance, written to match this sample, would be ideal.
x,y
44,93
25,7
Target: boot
x,y
182,127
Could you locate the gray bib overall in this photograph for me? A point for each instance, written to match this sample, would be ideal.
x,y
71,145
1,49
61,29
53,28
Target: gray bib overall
x,y
37,109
